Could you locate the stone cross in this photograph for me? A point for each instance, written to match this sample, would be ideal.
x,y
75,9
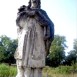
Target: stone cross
x,y
35,34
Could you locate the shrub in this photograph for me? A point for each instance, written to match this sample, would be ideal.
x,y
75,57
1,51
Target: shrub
x,y
7,71
13,71
63,69
4,70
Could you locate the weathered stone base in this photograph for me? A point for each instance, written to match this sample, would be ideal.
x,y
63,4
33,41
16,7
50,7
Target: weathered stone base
x,y
29,72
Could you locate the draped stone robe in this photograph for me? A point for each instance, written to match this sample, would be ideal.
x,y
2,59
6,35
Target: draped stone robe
x,y
31,46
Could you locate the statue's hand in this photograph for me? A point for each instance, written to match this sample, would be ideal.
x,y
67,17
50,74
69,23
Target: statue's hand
x,y
30,12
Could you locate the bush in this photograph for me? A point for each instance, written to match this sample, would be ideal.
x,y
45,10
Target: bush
x,y
60,70
13,71
63,69
7,71
10,71
4,70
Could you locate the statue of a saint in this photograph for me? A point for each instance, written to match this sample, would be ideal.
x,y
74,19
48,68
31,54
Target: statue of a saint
x,y
35,34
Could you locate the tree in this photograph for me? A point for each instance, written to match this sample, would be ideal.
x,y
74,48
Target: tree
x,y
57,53
7,49
70,58
72,55
75,46
2,52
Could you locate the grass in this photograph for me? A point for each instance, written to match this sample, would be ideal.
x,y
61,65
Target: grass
x,y
61,71
7,71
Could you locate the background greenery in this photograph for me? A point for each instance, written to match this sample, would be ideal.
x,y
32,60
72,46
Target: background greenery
x,y
58,64
61,71
55,57
7,71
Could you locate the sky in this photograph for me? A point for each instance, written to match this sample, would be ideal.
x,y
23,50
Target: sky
x,y
63,13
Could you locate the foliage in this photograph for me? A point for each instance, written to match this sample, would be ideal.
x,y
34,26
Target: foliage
x,y
13,71
71,58
2,52
61,71
57,53
7,71
75,45
7,49
3,70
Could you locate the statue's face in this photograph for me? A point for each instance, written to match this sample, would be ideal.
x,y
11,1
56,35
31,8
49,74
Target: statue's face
x,y
34,3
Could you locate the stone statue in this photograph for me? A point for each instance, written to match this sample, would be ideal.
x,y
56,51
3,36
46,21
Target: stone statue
x,y
35,34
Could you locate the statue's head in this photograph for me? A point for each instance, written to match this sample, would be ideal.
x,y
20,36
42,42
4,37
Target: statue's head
x,y
35,3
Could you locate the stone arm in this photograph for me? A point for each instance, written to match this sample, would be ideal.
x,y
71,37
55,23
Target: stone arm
x,y
23,13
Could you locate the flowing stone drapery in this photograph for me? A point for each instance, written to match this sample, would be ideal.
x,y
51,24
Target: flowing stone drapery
x,y
31,47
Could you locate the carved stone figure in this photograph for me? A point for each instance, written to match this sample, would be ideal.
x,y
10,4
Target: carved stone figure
x,y
35,34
